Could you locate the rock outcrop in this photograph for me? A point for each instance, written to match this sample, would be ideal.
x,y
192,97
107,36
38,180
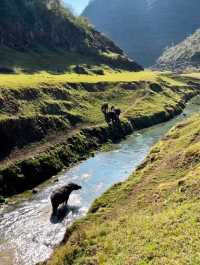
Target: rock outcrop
x,y
183,55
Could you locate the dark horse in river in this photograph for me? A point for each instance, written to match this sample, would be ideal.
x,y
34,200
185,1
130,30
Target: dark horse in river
x,y
61,195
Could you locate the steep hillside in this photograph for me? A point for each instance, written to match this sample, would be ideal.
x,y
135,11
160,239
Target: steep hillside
x,y
145,28
152,218
184,55
32,27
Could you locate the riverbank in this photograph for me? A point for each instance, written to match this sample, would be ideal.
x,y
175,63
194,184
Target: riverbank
x,y
156,103
152,218
27,229
36,109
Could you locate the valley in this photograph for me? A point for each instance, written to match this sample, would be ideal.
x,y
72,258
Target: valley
x,y
31,232
77,106
145,28
152,217
52,122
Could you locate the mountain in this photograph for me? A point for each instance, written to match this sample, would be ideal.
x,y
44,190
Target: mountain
x,y
144,28
184,55
36,25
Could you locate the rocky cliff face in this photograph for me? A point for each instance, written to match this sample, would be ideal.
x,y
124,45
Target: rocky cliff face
x,y
183,55
28,24
144,28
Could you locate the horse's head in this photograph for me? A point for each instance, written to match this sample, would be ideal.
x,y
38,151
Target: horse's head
x,y
74,186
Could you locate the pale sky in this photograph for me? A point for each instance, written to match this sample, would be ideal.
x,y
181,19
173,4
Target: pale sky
x,y
77,5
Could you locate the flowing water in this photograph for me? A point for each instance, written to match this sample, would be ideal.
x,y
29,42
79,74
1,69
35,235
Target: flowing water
x,y
28,233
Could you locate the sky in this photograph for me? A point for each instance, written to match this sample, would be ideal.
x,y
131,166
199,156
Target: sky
x,y
77,5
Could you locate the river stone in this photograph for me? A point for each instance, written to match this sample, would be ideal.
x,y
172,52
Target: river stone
x,y
55,180
34,191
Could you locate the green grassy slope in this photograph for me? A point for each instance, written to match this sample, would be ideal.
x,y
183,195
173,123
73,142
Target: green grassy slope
x,y
152,218
37,80
42,114
33,106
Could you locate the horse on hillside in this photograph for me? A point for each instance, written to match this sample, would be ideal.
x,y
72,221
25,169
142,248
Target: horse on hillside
x,y
112,116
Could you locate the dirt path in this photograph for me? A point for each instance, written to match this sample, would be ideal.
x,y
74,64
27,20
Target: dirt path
x,y
43,146
34,149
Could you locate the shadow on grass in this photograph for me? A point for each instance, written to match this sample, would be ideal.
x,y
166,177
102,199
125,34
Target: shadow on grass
x,y
54,61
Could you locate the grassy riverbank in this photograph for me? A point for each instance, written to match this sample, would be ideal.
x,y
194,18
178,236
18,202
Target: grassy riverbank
x,y
37,105
41,123
152,218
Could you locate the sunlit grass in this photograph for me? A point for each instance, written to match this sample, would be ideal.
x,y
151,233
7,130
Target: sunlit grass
x,y
43,78
170,79
193,75
19,91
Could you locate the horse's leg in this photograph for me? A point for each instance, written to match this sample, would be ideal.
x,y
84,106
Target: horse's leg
x,y
117,120
66,199
107,118
54,207
113,119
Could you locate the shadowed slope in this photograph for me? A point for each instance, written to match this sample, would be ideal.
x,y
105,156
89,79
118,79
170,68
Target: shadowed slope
x,y
28,28
144,28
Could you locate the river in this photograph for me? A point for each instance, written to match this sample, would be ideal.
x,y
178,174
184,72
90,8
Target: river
x,y
28,233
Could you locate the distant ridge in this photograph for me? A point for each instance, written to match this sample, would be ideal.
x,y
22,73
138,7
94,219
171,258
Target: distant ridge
x,y
144,28
184,55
